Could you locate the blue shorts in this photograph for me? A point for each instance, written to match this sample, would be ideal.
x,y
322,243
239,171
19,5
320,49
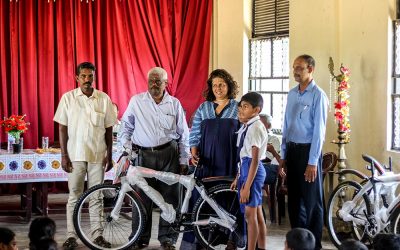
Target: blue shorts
x,y
256,188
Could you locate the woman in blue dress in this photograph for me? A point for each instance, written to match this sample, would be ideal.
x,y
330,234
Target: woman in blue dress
x,y
212,137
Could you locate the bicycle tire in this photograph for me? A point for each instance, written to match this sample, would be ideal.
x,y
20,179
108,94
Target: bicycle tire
x,y
395,220
88,225
215,236
338,229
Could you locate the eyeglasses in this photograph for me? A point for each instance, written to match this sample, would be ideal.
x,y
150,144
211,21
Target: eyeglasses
x,y
156,81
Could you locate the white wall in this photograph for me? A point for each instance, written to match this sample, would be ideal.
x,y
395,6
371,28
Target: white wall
x,y
230,36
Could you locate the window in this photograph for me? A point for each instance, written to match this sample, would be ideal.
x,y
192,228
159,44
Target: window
x,y
269,56
396,88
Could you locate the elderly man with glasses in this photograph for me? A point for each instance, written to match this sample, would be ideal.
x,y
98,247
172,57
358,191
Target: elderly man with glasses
x,y
154,125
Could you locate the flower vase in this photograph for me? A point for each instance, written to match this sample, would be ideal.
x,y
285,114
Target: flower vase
x,y
16,148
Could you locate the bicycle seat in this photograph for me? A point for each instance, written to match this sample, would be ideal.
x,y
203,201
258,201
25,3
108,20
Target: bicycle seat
x,y
371,160
218,178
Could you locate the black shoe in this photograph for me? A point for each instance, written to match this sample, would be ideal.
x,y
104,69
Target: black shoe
x,y
70,244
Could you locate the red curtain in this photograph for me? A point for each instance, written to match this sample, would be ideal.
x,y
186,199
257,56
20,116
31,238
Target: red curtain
x,y
41,42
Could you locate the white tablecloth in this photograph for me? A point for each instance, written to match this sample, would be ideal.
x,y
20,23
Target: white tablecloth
x,y
32,167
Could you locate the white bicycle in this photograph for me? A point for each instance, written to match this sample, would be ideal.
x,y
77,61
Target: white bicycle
x,y
215,218
362,210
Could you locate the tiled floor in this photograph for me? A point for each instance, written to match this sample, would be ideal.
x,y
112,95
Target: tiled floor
x,y
275,237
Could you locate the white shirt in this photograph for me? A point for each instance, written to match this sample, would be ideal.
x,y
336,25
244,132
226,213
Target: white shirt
x,y
87,119
256,136
148,124
274,140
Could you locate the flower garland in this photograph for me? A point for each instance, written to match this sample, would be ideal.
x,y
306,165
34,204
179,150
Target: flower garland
x,y
342,109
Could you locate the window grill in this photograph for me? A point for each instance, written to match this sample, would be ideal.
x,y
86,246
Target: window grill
x,y
396,88
269,74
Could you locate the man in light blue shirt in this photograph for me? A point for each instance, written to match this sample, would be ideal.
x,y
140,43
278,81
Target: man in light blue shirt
x,y
301,151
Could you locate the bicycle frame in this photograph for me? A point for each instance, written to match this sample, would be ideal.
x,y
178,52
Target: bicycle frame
x,y
380,185
136,176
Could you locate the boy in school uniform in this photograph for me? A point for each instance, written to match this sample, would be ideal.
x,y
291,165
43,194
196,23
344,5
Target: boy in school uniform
x,y
252,144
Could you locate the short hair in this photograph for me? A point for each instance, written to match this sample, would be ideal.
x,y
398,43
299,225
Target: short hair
x,y
254,98
386,241
233,88
85,65
6,235
41,228
267,117
308,59
352,244
159,71
300,239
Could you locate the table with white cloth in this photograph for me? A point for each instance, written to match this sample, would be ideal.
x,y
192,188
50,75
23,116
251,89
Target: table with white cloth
x,y
30,167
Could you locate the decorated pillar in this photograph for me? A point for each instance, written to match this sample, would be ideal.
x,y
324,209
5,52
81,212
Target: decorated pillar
x,y
342,112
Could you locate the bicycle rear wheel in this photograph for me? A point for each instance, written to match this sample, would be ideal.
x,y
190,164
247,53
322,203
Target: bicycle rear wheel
x,y
214,236
97,221
338,229
395,220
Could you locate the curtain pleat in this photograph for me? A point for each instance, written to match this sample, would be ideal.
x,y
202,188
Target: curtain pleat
x,y
41,43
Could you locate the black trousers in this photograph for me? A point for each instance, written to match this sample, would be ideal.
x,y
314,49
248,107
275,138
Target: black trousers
x,y
161,160
305,204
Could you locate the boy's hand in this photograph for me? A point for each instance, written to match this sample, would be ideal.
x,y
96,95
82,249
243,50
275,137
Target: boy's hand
x,y
244,194
234,184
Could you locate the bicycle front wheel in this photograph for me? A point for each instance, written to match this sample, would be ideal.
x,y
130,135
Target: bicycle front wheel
x,y
92,217
338,229
214,236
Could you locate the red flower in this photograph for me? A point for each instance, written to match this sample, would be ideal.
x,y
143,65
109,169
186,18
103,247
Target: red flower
x,y
339,116
340,105
14,125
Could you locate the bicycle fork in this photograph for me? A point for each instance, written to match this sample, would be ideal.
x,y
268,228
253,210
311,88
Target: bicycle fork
x,y
125,187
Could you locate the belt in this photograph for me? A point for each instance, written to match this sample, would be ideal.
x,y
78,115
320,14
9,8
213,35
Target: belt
x,y
160,147
297,145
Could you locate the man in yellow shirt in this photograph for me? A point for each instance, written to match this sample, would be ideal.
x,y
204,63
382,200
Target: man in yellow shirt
x,y
86,117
